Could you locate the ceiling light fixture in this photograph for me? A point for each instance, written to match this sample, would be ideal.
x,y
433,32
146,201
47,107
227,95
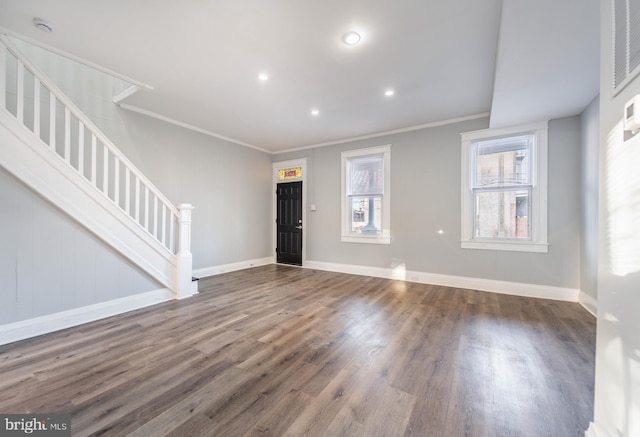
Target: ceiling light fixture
x,y
263,77
43,25
351,38
315,112
389,93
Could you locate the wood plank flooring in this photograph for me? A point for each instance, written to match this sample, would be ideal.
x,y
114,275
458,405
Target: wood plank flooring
x,y
284,351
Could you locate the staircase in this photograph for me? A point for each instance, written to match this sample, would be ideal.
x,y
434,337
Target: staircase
x,y
52,147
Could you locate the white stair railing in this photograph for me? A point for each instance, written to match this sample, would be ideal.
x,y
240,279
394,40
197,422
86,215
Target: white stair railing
x,y
39,105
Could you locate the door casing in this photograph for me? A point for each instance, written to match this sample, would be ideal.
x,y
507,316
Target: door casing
x,y
289,223
277,166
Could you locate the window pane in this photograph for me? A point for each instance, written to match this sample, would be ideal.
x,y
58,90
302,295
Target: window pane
x,y
366,175
502,163
366,215
502,214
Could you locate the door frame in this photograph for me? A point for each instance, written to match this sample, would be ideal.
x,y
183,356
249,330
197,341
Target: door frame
x,y
277,166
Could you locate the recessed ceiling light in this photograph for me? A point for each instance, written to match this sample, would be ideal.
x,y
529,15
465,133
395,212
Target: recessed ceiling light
x,y
351,38
315,112
43,25
389,93
263,77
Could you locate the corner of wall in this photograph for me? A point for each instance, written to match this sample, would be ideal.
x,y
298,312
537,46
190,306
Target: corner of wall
x,y
589,303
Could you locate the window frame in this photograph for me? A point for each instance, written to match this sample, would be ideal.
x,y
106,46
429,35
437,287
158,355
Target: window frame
x,y
537,241
384,237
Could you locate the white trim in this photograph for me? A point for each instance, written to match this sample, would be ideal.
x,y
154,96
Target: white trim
x,y
184,270
365,239
595,431
295,149
480,284
504,131
232,267
539,192
66,319
194,287
347,236
187,126
589,303
516,246
126,93
352,269
16,35
3,79
276,166
390,132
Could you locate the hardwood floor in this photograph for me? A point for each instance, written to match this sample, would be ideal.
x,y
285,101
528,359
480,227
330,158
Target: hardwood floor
x,y
284,351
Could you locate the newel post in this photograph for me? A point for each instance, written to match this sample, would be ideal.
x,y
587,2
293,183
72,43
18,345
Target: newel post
x,y
185,259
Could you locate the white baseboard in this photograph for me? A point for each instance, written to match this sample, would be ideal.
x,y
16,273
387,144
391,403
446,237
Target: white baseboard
x,y
226,268
589,303
194,287
491,285
66,319
595,431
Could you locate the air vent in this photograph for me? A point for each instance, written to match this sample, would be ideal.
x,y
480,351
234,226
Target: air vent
x,y
43,25
626,51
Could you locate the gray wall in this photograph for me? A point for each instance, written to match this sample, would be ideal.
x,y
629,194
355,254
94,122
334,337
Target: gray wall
x,y
229,185
50,264
617,385
590,139
425,197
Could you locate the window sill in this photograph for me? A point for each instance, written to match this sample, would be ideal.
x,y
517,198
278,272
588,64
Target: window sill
x,y
515,246
365,239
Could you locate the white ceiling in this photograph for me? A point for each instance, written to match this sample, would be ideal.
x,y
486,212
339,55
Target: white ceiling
x,y
445,59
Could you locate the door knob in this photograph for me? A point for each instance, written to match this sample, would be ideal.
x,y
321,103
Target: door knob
x,y
298,227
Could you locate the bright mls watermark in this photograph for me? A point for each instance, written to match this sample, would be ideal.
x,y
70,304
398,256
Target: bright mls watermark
x,y
40,425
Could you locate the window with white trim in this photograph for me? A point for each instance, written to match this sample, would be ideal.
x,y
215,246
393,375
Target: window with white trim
x,y
366,195
504,189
